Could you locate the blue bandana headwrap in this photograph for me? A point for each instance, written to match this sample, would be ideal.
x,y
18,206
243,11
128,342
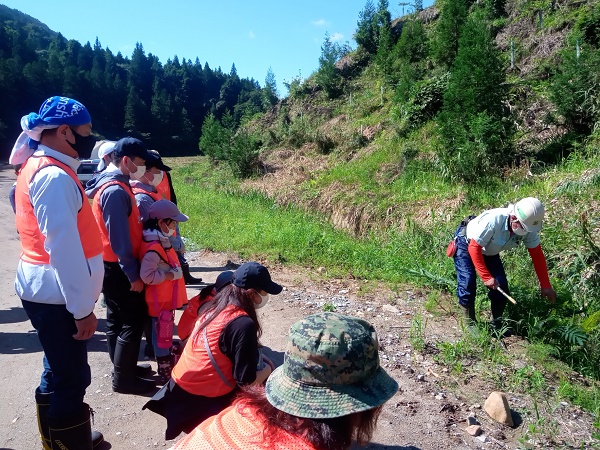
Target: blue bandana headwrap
x,y
54,112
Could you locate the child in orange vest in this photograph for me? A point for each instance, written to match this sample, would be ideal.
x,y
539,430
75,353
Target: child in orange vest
x,y
161,272
190,313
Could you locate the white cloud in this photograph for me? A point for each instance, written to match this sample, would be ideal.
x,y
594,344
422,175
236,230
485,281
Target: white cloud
x,y
336,37
251,34
319,23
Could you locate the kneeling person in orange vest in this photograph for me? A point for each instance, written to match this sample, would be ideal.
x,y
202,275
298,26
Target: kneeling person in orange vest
x,y
221,354
161,272
329,392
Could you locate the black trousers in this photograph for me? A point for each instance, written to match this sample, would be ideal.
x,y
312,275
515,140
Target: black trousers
x,y
126,311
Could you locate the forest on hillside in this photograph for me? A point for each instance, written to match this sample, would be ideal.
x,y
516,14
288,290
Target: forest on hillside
x,y
134,95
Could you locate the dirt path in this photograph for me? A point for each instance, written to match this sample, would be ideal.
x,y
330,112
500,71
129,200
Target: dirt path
x,y
423,415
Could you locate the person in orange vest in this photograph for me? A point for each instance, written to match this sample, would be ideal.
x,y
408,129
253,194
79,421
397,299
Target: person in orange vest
x,y
221,354
146,193
145,189
329,391
165,187
59,276
118,218
190,313
161,272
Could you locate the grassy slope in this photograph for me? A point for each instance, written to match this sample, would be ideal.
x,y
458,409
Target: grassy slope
x,y
406,213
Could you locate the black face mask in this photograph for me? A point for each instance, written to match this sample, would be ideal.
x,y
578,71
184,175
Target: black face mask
x,y
83,144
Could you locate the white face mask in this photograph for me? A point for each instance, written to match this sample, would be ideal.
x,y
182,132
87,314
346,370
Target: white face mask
x,y
264,299
139,172
158,177
170,231
519,230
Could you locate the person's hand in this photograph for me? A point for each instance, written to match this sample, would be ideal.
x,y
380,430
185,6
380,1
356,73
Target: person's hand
x,y
492,283
86,327
177,273
137,286
268,362
550,294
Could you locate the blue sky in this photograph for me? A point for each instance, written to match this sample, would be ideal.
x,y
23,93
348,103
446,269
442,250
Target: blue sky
x,y
284,35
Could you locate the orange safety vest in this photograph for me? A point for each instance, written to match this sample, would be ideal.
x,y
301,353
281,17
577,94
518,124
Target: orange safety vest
x,y
194,371
190,315
237,427
170,294
163,188
135,223
155,195
32,239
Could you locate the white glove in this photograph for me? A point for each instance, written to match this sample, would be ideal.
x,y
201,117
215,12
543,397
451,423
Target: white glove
x,y
177,273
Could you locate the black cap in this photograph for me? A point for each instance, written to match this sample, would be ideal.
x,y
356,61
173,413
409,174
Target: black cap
x,y
156,161
224,279
252,275
131,147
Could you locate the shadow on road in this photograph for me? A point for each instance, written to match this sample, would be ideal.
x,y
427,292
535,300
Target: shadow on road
x,y
15,314
276,357
374,446
18,343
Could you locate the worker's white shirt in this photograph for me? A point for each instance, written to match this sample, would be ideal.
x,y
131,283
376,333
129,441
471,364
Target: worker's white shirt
x,y
490,230
70,279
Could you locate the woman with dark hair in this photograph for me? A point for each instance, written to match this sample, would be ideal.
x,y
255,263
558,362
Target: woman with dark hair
x,y
221,354
329,392
191,311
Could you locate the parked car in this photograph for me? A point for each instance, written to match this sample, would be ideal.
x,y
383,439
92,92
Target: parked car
x,y
86,169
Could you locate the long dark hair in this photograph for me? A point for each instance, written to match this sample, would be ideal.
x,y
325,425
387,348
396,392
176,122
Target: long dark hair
x,y
230,295
323,434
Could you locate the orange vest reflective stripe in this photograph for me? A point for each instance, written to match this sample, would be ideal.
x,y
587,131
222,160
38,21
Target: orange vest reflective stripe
x,y
170,294
194,371
135,223
163,187
237,428
155,195
32,239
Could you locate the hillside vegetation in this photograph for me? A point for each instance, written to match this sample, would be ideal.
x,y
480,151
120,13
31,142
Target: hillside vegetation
x,y
367,167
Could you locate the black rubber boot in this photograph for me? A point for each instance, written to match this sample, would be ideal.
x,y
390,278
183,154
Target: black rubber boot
x,y
165,366
74,433
125,380
469,312
111,343
497,324
42,402
187,276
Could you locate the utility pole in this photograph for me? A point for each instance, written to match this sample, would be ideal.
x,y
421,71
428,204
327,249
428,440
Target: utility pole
x,y
403,4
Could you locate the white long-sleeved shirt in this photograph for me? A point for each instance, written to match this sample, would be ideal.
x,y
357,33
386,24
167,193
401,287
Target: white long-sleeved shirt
x,y
69,279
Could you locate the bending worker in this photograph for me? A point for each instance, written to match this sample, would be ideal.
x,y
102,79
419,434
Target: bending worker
x,y
480,240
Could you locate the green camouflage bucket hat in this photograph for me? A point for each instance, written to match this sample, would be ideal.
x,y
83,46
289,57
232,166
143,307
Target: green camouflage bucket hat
x,y
330,369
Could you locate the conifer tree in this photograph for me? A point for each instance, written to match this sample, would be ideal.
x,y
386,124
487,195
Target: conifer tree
x,y
452,17
366,34
475,124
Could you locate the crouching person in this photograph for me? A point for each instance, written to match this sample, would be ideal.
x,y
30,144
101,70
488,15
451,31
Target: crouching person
x,y
329,392
161,272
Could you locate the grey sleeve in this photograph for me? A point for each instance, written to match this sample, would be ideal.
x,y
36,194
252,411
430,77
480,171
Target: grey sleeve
x,y
116,209
144,202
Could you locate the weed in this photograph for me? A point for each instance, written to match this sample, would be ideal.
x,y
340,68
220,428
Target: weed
x,y
329,307
416,334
